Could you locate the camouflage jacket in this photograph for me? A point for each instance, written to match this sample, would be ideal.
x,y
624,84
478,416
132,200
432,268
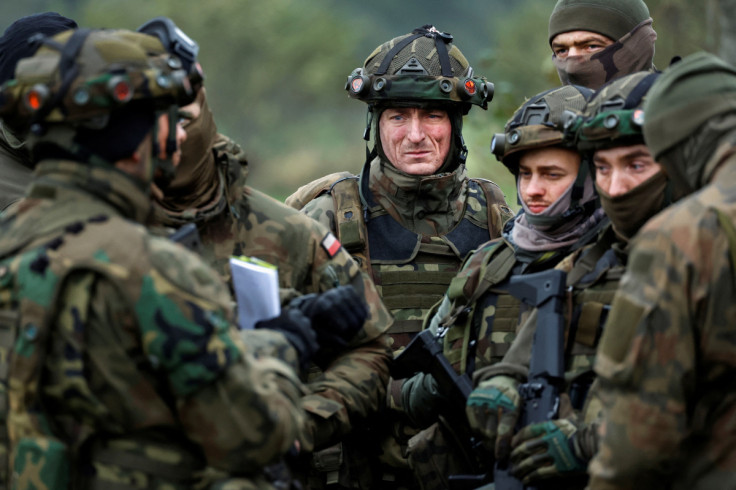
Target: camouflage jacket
x,y
410,233
129,338
251,223
667,359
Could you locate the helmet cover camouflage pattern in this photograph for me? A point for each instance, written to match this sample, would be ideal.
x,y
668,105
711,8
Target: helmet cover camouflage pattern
x,y
79,77
614,116
538,123
419,68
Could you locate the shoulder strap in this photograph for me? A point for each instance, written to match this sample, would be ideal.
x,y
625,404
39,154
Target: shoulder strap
x,y
588,261
351,228
314,189
496,206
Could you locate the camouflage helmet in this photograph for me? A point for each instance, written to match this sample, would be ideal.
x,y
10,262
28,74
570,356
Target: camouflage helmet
x,y
78,78
614,116
539,122
422,67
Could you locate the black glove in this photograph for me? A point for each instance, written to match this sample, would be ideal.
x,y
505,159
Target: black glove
x,y
336,315
297,329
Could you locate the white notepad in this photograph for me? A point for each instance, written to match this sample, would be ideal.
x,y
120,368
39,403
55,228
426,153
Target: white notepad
x,y
256,284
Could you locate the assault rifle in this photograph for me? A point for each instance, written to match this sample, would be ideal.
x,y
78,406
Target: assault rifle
x,y
545,291
424,354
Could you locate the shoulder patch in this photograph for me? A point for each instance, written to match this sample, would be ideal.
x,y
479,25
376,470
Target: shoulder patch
x,y
331,244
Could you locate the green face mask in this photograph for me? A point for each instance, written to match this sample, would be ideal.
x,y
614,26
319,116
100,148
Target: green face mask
x,y
628,212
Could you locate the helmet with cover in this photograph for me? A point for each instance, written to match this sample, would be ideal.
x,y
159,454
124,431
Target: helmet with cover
x,y
614,116
421,69
539,122
94,94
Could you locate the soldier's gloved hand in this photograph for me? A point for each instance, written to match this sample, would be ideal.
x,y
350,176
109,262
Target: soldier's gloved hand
x,y
545,450
297,328
336,315
493,410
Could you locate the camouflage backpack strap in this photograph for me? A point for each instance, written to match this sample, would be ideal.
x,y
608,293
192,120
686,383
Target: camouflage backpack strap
x,y
312,190
496,206
349,217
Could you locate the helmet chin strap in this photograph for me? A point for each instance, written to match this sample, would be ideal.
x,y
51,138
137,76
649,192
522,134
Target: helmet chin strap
x,y
165,165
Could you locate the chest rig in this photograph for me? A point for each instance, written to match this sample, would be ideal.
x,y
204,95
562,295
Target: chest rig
x,y
593,281
411,271
483,317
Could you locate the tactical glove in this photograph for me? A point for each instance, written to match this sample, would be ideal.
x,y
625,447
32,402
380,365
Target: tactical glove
x,y
493,410
336,315
545,450
297,329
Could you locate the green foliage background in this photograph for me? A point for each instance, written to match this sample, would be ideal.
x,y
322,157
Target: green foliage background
x,y
276,69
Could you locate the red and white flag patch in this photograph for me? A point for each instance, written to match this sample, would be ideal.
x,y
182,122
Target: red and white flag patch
x,y
331,244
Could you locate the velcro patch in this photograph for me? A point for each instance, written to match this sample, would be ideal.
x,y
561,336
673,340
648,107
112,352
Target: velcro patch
x,y
331,244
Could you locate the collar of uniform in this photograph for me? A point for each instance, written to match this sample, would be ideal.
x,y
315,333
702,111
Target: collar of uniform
x,y
425,204
196,214
105,183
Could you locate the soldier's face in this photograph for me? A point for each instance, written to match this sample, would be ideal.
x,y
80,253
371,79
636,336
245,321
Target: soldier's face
x,y
578,43
416,141
545,174
620,169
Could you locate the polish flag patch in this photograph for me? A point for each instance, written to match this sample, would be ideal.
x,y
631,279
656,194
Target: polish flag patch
x,y
331,244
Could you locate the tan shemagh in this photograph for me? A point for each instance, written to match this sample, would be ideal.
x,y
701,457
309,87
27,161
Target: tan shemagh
x,y
195,182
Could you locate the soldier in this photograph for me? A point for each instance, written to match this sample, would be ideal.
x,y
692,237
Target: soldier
x,y
596,41
15,44
632,188
210,190
477,320
412,215
122,366
667,358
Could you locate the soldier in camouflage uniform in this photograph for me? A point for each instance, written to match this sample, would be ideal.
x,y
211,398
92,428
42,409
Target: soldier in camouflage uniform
x,y
632,188
210,189
121,367
412,215
667,359
477,320
15,159
596,41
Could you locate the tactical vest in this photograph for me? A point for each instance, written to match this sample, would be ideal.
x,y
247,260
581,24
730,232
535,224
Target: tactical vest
x,y
31,279
411,272
483,319
594,279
